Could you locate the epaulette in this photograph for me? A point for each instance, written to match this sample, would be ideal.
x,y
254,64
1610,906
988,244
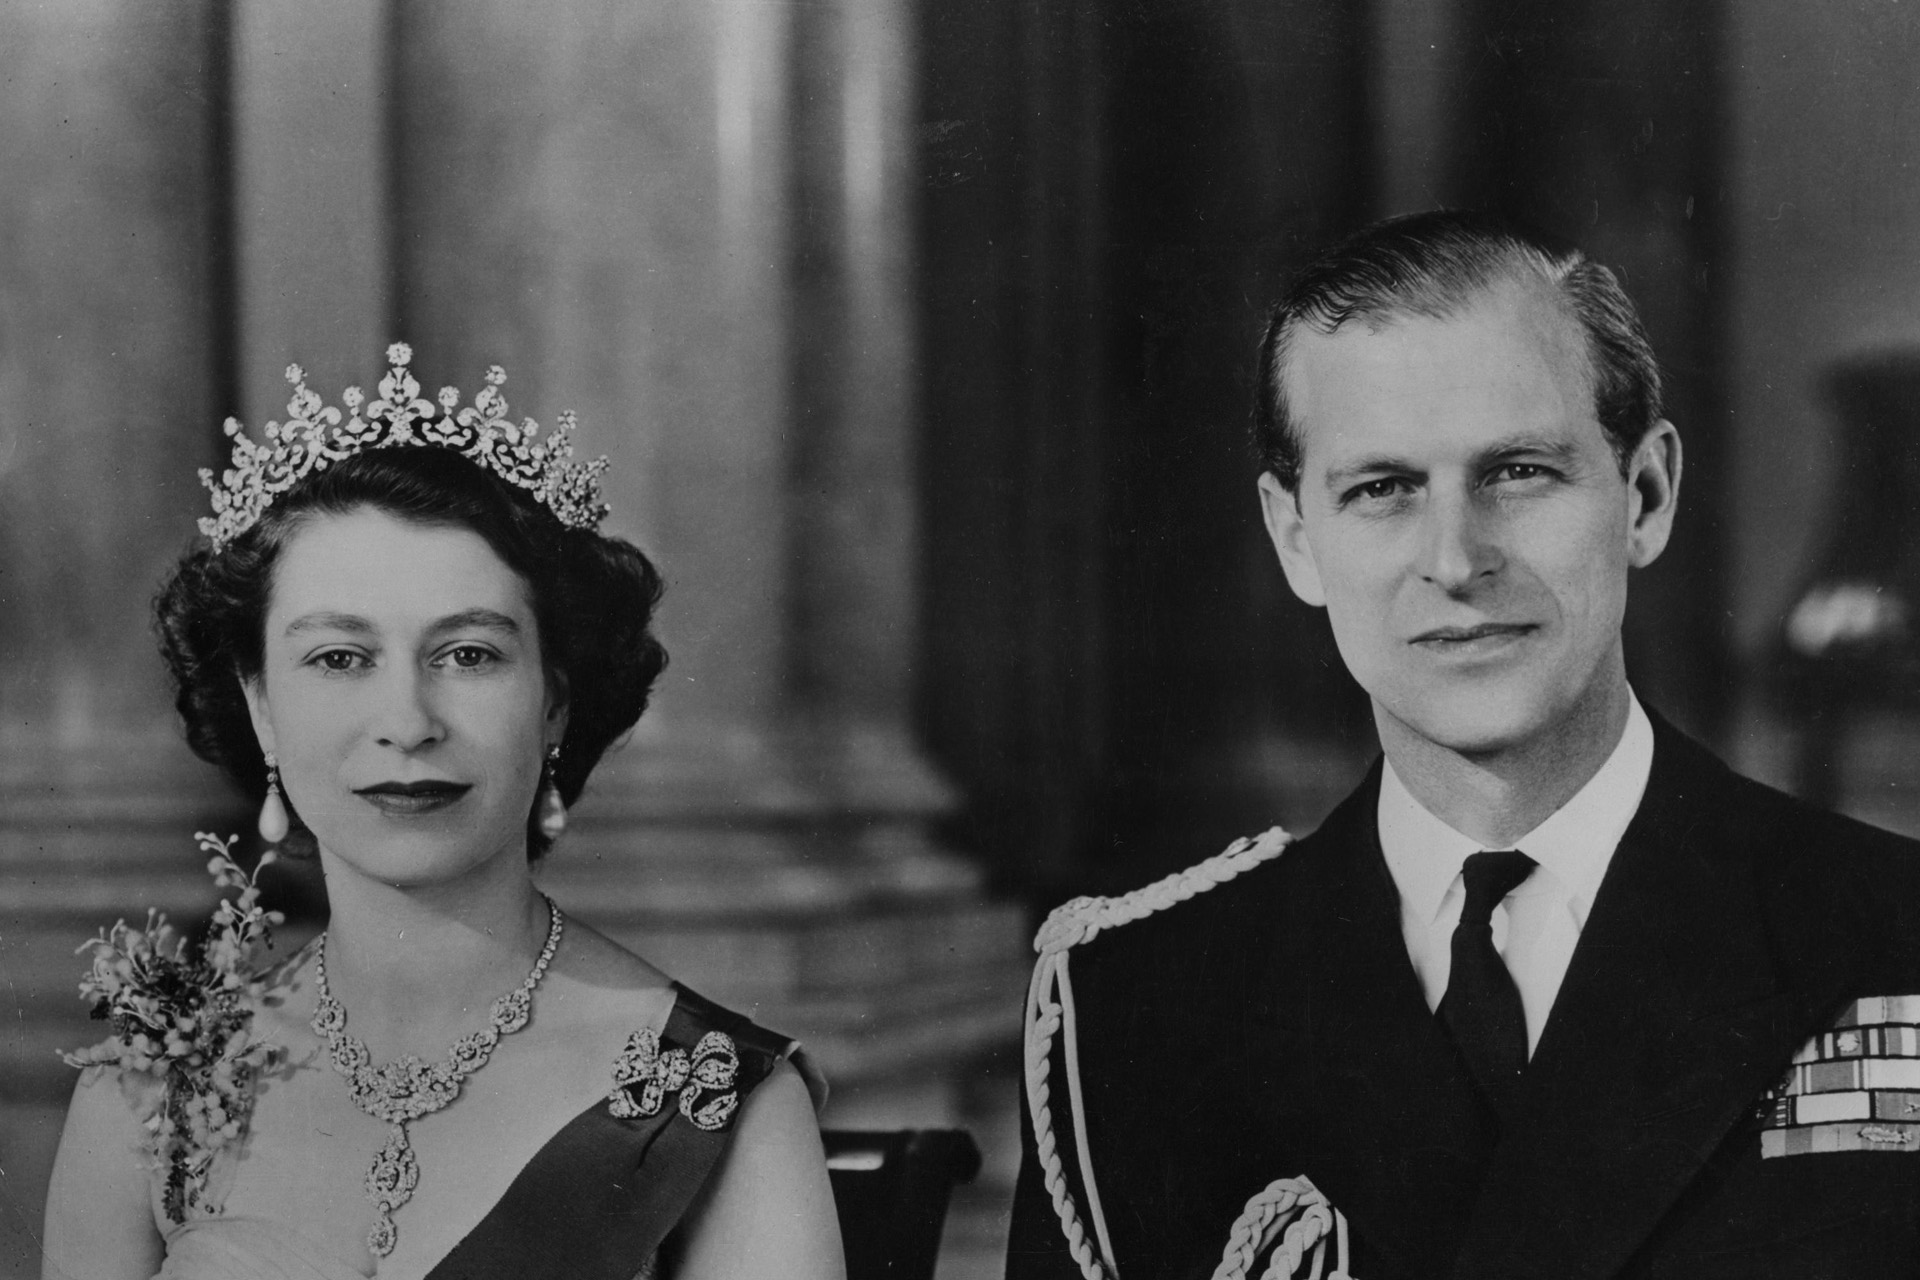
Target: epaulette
x,y
1289,1217
1078,920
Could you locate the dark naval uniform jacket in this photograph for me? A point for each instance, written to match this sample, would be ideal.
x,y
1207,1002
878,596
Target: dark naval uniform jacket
x,y
1728,1084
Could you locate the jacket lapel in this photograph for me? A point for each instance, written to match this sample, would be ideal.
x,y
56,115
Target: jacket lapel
x,y
1367,1094
1670,1023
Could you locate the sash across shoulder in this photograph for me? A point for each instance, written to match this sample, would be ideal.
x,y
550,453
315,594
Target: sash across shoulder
x,y
596,1202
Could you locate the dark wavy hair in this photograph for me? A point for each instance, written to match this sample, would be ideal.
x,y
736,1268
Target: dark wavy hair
x,y
1433,265
593,601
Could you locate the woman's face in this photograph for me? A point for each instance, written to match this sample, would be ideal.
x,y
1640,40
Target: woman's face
x,y
403,693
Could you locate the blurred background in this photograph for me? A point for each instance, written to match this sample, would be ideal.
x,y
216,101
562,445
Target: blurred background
x,y
920,334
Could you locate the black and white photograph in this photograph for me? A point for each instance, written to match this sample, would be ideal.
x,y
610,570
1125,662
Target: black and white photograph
x,y
958,639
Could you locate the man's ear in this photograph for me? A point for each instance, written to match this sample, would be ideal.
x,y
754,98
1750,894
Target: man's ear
x,y
1281,510
254,690
1653,491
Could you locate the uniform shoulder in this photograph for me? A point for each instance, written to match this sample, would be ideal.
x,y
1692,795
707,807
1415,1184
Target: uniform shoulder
x,y
1702,802
1166,901
1769,818
1690,773
1833,891
1831,883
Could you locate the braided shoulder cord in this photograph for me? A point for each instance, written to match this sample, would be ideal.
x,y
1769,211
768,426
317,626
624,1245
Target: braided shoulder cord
x,y
1050,1010
1296,1211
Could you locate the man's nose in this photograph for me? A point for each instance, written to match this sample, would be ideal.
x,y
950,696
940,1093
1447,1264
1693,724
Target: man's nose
x,y
406,718
1458,544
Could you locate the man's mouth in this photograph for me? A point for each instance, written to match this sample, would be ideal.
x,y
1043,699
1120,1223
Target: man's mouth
x,y
1450,637
406,798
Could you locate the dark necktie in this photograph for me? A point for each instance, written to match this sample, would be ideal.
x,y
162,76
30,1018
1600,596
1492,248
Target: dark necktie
x,y
1481,1009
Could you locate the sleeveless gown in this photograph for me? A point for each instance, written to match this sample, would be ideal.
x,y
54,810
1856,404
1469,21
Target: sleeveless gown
x,y
593,1204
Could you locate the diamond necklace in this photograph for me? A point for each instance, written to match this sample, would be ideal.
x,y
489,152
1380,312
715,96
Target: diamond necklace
x,y
405,1089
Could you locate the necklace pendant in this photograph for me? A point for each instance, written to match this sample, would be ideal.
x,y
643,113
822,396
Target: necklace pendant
x,y
383,1235
407,1088
390,1182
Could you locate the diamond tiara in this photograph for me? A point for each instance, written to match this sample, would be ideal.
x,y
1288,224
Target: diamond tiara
x,y
314,436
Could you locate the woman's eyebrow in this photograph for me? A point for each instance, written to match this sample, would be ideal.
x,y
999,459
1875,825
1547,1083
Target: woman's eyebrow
x,y
464,620
486,619
330,622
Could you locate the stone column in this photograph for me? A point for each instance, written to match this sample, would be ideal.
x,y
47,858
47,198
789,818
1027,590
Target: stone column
x,y
690,223
111,385
312,269
1422,51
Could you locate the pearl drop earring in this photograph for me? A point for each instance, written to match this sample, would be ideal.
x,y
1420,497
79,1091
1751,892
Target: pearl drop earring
x,y
553,810
273,812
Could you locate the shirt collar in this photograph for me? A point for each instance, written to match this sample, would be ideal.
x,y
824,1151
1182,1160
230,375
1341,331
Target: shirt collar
x,y
1424,854
1575,843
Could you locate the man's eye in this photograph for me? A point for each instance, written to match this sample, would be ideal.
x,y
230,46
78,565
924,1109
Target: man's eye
x,y
1519,471
1378,490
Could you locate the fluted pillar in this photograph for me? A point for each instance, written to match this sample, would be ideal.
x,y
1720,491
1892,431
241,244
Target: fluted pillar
x,y
111,381
690,223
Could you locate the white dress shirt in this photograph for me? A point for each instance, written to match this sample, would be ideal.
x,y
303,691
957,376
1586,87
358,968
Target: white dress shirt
x,y
1536,927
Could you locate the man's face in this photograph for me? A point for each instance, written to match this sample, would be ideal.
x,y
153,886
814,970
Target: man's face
x,y
1464,521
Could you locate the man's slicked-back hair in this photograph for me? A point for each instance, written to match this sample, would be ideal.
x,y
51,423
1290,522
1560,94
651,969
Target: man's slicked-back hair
x,y
1433,265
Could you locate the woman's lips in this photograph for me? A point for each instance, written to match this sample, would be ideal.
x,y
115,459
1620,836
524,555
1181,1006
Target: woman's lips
x,y
409,799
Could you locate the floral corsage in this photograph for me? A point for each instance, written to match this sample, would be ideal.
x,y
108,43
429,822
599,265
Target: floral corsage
x,y
180,1016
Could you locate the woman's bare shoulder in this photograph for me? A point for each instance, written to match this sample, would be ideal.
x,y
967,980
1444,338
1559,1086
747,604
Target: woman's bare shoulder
x,y
768,1211
592,956
606,985
99,1220
114,1103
